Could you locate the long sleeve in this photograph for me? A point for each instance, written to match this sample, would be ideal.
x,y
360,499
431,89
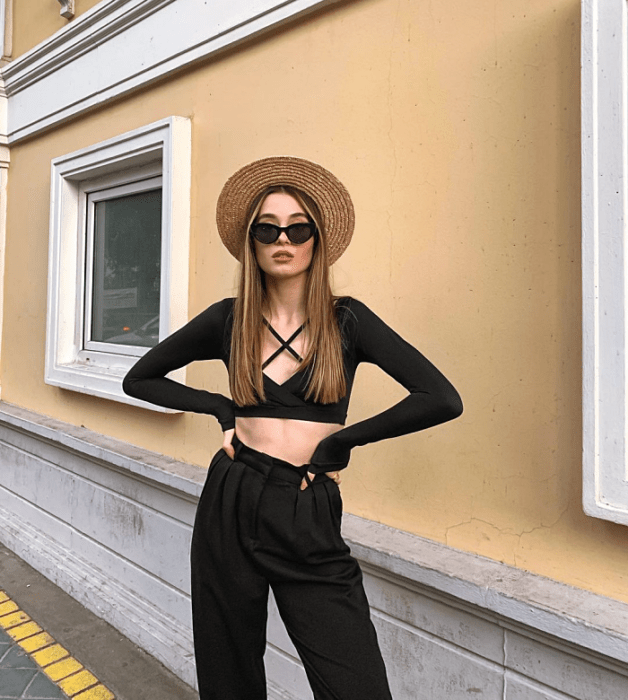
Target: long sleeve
x,y
432,398
203,338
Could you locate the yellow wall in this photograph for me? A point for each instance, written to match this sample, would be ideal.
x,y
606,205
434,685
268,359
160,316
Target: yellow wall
x,y
36,20
455,125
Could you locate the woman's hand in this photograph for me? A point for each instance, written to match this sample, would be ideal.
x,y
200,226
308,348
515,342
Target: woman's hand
x,y
329,452
334,476
227,437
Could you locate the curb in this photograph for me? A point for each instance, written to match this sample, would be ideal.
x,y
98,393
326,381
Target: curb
x,y
54,660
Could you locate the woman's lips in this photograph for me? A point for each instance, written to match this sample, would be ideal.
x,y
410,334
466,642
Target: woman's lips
x,y
283,256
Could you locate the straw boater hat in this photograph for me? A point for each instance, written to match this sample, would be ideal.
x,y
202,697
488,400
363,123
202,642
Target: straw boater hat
x,y
241,189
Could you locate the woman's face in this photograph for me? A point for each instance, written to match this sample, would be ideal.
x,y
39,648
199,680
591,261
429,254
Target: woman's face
x,y
283,259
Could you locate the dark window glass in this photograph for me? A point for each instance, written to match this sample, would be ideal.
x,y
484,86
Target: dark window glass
x,y
126,270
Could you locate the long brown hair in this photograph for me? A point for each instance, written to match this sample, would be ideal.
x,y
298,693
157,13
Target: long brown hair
x,y
326,378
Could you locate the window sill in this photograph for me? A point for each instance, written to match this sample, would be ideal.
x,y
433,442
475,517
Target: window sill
x,y
104,382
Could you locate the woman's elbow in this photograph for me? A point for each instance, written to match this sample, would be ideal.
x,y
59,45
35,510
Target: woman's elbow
x,y
450,405
455,405
128,386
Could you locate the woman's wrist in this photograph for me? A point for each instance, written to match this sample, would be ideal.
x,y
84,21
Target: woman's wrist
x,y
331,454
226,415
227,423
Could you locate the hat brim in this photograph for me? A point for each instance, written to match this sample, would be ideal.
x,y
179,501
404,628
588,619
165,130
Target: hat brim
x,y
244,186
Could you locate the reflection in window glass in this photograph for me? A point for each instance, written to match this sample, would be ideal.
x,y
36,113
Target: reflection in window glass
x,y
126,272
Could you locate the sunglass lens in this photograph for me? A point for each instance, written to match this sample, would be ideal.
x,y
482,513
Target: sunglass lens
x,y
299,233
265,233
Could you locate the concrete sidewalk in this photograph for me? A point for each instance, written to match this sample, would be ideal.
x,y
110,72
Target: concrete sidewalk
x,y
95,661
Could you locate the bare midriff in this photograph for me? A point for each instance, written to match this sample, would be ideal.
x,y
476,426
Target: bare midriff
x,y
293,441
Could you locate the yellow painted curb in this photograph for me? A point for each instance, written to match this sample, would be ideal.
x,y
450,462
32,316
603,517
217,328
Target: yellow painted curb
x,y
14,619
97,693
62,669
45,657
55,661
78,682
24,631
8,607
39,641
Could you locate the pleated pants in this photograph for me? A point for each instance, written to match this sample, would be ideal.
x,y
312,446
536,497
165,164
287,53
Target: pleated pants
x,y
255,528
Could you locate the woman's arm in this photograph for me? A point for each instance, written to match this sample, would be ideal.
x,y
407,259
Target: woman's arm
x,y
200,339
432,399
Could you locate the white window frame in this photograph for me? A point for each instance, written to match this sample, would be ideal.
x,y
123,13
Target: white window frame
x,y
161,149
605,258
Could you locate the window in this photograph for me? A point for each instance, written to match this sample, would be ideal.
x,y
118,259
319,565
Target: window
x,y
123,267
605,258
119,256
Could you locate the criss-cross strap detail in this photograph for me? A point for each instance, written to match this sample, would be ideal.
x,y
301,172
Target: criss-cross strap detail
x,y
285,344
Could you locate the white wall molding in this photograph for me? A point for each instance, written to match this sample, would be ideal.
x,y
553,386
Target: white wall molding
x,y
605,258
110,523
121,45
4,127
3,26
5,159
6,30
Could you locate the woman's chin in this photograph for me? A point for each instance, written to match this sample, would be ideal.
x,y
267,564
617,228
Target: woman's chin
x,y
284,271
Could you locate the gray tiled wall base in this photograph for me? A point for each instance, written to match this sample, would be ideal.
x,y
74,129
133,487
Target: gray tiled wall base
x,y
518,688
565,669
111,524
439,648
424,667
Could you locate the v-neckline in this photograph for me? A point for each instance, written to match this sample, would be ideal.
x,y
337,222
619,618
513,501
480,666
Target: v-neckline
x,y
292,376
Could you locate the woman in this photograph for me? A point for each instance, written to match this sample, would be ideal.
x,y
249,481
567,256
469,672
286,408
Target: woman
x,y
292,350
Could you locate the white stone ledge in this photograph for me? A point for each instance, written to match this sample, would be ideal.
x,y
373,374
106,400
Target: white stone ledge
x,y
573,615
169,473
577,617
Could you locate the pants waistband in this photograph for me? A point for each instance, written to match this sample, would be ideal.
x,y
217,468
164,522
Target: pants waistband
x,y
272,467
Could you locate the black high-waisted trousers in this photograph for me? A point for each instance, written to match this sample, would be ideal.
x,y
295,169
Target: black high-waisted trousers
x,y
254,528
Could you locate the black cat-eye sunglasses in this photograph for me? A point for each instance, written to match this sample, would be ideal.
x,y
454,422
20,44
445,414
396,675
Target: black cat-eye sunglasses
x,y
297,233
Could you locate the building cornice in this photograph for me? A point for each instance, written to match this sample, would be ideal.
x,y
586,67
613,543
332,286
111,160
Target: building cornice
x,y
102,23
122,45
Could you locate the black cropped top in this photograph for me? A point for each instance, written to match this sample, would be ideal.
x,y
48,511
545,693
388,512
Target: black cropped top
x,y
288,400
365,338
